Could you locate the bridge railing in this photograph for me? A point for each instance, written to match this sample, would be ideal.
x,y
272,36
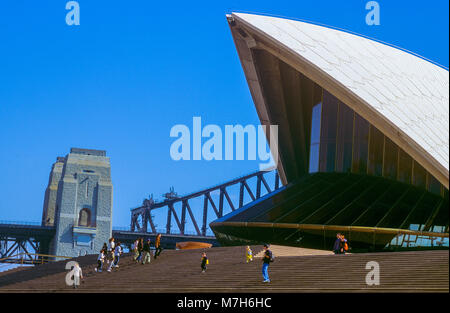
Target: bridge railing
x,y
162,231
20,223
141,217
31,258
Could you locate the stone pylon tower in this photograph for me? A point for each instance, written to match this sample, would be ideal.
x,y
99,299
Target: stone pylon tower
x,y
51,193
78,203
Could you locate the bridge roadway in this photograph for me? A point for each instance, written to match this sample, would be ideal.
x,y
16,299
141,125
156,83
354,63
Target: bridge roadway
x,y
168,241
26,231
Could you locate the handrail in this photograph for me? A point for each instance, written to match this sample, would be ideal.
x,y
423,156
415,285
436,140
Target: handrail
x,y
382,230
34,261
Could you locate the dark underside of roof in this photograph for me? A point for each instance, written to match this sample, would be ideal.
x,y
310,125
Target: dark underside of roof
x,y
373,212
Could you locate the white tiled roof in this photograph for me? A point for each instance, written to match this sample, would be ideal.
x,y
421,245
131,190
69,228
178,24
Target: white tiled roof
x,y
410,92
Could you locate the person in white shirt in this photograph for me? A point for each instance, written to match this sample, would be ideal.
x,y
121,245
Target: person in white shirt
x,y
111,247
77,274
100,260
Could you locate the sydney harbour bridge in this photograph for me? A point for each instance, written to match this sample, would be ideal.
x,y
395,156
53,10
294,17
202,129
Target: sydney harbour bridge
x,y
28,243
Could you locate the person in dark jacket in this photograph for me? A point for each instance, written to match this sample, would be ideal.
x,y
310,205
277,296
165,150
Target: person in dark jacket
x,y
267,259
337,244
140,248
146,251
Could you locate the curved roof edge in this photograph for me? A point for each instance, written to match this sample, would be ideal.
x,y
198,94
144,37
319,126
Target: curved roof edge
x,y
404,96
342,30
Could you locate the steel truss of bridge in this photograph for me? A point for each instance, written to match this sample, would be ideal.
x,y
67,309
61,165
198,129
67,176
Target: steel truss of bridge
x,y
23,242
141,217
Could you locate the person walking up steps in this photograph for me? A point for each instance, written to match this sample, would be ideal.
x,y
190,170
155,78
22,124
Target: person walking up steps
x,y
105,248
157,246
117,253
147,254
111,247
267,259
100,260
77,275
136,251
140,248
205,262
248,254
344,244
337,244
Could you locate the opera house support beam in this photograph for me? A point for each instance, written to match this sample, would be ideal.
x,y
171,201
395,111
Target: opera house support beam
x,y
363,139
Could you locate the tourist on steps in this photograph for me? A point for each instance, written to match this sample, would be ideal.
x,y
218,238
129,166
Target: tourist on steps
x,y
157,246
100,260
337,244
267,259
105,248
117,252
77,274
205,262
140,249
147,254
344,244
249,254
135,250
111,247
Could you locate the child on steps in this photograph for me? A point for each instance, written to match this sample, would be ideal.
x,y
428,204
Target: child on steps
x,y
204,262
249,254
100,260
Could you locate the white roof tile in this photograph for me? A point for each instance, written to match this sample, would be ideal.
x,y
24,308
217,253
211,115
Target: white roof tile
x,y
407,90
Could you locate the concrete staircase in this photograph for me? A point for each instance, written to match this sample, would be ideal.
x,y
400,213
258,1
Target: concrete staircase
x,y
294,270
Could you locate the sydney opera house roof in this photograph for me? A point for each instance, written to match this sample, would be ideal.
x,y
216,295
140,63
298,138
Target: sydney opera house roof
x,y
363,139
403,95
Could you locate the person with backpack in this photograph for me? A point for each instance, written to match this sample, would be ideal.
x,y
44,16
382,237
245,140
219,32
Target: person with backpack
x,y
267,259
344,244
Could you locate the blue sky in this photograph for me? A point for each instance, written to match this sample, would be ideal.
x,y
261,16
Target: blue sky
x,y
134,69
